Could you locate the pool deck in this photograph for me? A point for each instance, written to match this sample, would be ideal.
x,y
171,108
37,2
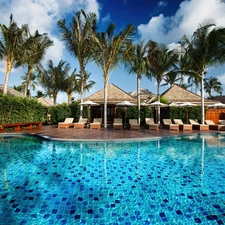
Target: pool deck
x,y
103,134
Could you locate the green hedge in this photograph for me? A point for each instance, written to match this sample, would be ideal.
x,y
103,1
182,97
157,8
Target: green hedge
x,y
59,112
180,113
132,113
16,109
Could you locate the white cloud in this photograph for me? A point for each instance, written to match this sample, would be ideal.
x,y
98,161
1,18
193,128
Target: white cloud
x,y
162,4
106,18
42,15
187,18
221,79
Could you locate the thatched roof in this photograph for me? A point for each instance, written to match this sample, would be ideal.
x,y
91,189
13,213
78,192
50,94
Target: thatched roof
x,y
178,95
115,95
144,94
46,101
11,91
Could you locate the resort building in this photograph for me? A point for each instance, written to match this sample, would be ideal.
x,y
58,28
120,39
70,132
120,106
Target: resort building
x,y
175,95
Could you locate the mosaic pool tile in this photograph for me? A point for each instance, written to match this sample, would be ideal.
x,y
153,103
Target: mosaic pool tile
x,y
166,181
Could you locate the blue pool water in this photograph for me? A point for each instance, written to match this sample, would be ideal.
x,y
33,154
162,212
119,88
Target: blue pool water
x,y
177,180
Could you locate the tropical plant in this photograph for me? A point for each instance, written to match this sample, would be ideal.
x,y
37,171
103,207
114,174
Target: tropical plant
x,y
34,48
212,85
137,63
53,78
170,79
87,84
162,63
32,82
77,41
10,47
70,85
206,48
108,51
40,94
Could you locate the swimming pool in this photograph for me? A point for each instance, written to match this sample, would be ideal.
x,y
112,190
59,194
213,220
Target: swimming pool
x,y
178,180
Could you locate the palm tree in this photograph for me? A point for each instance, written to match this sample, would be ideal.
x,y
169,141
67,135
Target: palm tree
x,y
33,51
10,47
53,78
87,84
162,63
171,79
32,82
70,85
206,48
77,41
40,94
137,63
212,84
108,51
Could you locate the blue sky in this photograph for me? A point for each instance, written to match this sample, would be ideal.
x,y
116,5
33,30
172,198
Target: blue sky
x,y
161,21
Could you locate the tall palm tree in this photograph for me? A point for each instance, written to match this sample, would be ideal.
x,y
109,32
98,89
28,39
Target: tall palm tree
x,y
10,47
206,48
77,41
53,78
212,85
33,51
108,51
137,63
162,63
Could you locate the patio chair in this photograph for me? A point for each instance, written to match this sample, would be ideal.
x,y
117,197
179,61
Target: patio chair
x,y
118,124
213,126
81,123
134,125
150,124
222,122
197,126
169,125
97,123
67,123
182,126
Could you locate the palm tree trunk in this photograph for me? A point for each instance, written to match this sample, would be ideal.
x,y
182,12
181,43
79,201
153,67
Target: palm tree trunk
x,y
202,98
81,90
158,94
139,98
69,95
105,101
27,81
7,74
54,97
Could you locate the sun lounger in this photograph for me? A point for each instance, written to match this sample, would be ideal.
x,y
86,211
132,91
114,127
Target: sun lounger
x,y
97,123
118,124
213,126
134,125
150,124
167,123
197,126
182,126
67,123
222,122
80,124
